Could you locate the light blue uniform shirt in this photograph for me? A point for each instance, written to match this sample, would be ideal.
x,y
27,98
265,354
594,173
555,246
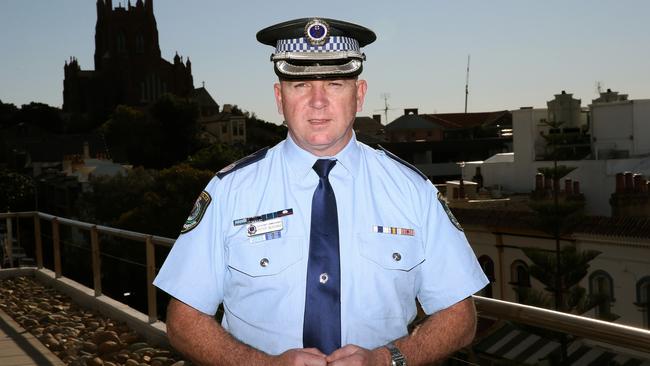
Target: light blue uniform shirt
x,y
262,283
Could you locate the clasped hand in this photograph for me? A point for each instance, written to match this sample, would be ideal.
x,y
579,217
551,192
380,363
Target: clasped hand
x,y
349,355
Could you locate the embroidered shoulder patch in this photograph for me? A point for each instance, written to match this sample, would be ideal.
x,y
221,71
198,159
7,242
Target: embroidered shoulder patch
x,y
403,162
200,206
248,160
451,216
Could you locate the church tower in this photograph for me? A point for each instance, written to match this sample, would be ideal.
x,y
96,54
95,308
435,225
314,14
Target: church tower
x,y
129,69
125,33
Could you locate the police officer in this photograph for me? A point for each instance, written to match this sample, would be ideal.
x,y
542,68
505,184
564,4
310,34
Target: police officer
x,y
319,246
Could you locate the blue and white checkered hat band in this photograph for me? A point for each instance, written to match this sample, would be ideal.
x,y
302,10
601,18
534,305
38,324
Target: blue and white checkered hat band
x,y
334,43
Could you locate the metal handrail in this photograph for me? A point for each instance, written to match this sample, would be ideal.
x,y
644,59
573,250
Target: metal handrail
x,y
598,330
150,242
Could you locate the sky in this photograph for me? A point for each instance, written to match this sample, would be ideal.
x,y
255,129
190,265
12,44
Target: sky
x,y
522,52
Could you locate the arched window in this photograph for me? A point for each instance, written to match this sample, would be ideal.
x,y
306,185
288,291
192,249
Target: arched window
x,y
488,268
643,299
520,279
601,287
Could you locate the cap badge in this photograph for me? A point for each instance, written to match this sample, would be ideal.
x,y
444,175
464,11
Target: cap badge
x,y
317,32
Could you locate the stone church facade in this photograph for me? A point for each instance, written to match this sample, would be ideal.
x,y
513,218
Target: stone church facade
x,y
129,69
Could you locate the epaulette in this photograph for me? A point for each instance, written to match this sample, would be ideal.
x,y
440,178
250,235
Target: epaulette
x,y
404,162
248,160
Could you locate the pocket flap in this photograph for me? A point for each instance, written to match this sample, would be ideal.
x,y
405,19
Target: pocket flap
x,y
396,252
266,258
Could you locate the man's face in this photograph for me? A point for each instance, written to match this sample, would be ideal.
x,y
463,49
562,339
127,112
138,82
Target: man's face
x,y
320,113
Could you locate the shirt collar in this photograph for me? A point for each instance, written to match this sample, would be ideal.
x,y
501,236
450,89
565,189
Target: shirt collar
x,y
301,161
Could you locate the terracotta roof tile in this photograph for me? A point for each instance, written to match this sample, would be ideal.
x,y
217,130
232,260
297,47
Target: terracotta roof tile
x,y
628,227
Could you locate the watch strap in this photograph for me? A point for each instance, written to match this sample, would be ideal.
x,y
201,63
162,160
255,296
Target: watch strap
x,y
396,357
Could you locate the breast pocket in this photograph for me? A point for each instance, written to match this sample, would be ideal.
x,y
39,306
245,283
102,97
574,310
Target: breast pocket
x,y
390,273
262,278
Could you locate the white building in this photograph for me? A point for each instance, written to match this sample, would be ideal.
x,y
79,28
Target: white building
x,y
620,142
619,132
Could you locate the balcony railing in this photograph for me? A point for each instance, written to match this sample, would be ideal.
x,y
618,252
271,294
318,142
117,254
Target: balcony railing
x,y
630,338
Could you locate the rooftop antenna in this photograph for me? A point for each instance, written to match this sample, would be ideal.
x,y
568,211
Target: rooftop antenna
x,y
386,108
467,84
599,87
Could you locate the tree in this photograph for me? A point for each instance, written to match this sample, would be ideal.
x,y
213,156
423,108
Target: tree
x,y
128,128
260,133
158,138
109,197
166,205
176,121
16,192
147,201
8,114
42,115
573,267
562,270
215,157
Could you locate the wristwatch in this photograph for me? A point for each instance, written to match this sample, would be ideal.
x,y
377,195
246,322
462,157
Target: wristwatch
x,y
396,357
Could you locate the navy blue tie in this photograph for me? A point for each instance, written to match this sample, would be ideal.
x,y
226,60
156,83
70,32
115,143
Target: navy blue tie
x,y
322,326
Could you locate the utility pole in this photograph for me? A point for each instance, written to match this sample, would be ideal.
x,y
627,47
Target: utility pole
x,y
467,84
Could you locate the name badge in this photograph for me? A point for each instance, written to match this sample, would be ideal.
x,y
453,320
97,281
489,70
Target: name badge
x,y
263,227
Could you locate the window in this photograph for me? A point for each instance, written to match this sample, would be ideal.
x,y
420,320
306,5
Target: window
x,y
601,288
643,299
520,279
488,268
121,42
139,44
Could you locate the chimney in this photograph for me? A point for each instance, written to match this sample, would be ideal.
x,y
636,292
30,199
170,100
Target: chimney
x,y
620,183
478,178
461,188
637,183
568,187
576,187
86,150
227,108
539,182
629,182
548,183
377,117
410,111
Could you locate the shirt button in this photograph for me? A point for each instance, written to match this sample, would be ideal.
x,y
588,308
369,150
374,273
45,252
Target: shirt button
x,y
397,257
264,262
324,277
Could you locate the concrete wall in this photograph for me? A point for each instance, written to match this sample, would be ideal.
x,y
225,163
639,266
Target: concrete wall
x,y
612,128
641,112
625,260
623,125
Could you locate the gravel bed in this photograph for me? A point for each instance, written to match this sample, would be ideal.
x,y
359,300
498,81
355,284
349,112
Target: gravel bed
x,y
79,337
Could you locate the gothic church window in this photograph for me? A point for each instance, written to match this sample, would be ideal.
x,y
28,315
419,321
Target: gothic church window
x,y
139,43
121,42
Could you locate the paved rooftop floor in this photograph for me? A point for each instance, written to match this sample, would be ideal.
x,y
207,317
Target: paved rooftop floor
x,y
18,347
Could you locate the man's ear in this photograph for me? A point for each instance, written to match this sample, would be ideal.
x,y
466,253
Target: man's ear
x,y
277,90
362,87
